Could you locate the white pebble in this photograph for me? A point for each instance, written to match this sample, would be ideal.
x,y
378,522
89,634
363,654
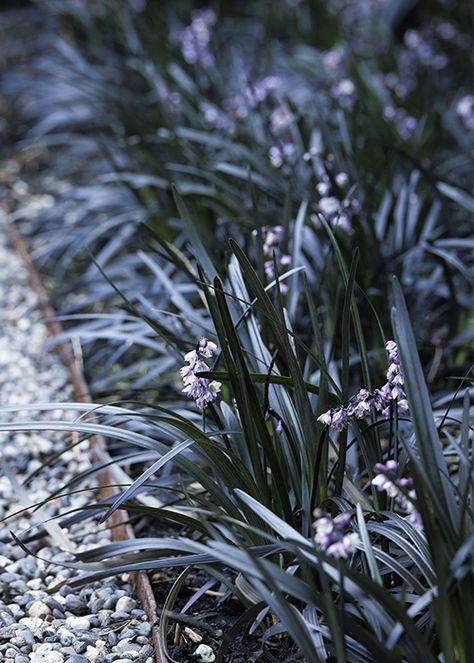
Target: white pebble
x,y
78,623
125,604
205,654
38,609
93,654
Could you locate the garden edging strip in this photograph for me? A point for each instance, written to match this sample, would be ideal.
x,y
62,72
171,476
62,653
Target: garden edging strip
x,y
118,522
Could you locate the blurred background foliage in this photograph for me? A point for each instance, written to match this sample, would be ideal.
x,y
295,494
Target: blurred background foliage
x,y
282,98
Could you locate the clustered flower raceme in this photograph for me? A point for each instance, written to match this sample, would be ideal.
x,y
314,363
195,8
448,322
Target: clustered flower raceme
x,y
399,489
405,124
344,92
331,535
380,400
338,213
283,152
427,48
272,237
217,119
196,37
203,391
171,99
236,107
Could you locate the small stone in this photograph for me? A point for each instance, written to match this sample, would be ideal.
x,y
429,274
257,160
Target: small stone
x,y
118,616
145,651
112,638
77,658
78,623
35,583
144,628
38,609
79,646
205,654
125,604
128,648
45,654
93,654
75,604
6,618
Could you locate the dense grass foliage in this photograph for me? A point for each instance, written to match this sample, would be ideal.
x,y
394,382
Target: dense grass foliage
x,y
275,190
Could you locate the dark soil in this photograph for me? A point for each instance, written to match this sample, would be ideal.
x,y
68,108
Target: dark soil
x,y
211,618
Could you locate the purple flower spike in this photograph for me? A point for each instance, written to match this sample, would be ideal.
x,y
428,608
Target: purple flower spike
x,y
202,390
196,37
400,489
331,536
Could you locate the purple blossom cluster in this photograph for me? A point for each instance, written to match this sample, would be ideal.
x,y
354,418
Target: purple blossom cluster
x,y
280,119
332,536
272,237
344,92
423,48
238,105
337,209
172,100
203,391
196,37
404,123
399,489
365,402
282,152
217,119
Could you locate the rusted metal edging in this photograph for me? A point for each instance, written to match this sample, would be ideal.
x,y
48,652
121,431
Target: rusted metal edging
x,y
118,522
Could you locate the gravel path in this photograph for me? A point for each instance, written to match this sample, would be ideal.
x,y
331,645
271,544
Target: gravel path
x,y
99,623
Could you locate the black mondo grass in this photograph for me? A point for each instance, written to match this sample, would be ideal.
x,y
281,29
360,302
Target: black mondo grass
x,y
255,224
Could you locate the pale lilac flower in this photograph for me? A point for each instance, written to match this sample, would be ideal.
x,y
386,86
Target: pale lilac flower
x,y
236,107
337,418
324,188
331,536
326,418
329,207
381,400
341,179
405,124
447,31
338,213
345,88
280,119
217,119
399,489
282,153
344,92
276,156
171,99
272,236
333,59
202,390
196,37
257,93
360,405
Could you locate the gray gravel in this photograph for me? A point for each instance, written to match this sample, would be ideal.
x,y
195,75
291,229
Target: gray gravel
x,y
38,623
